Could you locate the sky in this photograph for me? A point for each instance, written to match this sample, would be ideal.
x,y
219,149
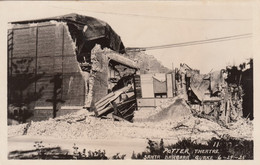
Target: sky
x,y
144,24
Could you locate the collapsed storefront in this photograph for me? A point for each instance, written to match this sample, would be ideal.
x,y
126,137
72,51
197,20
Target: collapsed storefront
x,y
61,64
219,95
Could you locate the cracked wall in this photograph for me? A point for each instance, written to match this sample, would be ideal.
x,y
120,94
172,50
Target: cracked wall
x,y
51,51
105,75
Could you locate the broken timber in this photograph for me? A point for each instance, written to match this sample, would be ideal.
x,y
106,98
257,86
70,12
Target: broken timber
x,y
120,111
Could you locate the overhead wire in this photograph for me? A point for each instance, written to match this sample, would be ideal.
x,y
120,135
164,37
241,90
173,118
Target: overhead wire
x,y
190,43
157,17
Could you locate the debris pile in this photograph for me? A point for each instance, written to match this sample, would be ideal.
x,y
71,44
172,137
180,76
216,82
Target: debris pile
x,y
178,115
108,72
206,106
175,111
166,123
122,110
172,109
217,96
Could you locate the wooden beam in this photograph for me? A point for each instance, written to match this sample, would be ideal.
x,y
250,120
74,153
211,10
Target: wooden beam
x,y
127,110
101,104
119,118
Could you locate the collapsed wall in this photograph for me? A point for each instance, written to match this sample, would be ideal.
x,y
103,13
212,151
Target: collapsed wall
x,y
106,74
96,85
217,96
47,59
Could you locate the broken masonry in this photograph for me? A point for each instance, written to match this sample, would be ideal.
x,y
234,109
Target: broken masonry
x,y
219,95
85,53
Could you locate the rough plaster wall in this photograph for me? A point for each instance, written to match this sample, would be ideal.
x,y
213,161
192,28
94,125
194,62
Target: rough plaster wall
x,y
97,84
73,81
89,77
124,71
58,58
68,66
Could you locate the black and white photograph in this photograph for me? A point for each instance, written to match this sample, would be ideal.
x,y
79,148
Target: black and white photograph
x,y
141,80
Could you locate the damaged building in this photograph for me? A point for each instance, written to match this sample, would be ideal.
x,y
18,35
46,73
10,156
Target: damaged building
x,y
223,96
62,64
220,95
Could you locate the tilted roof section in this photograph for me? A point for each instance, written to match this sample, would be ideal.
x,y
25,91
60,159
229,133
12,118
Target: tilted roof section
x,y
92,28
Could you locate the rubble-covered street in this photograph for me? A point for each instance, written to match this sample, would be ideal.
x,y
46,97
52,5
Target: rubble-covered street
x,y
166,125
170,123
